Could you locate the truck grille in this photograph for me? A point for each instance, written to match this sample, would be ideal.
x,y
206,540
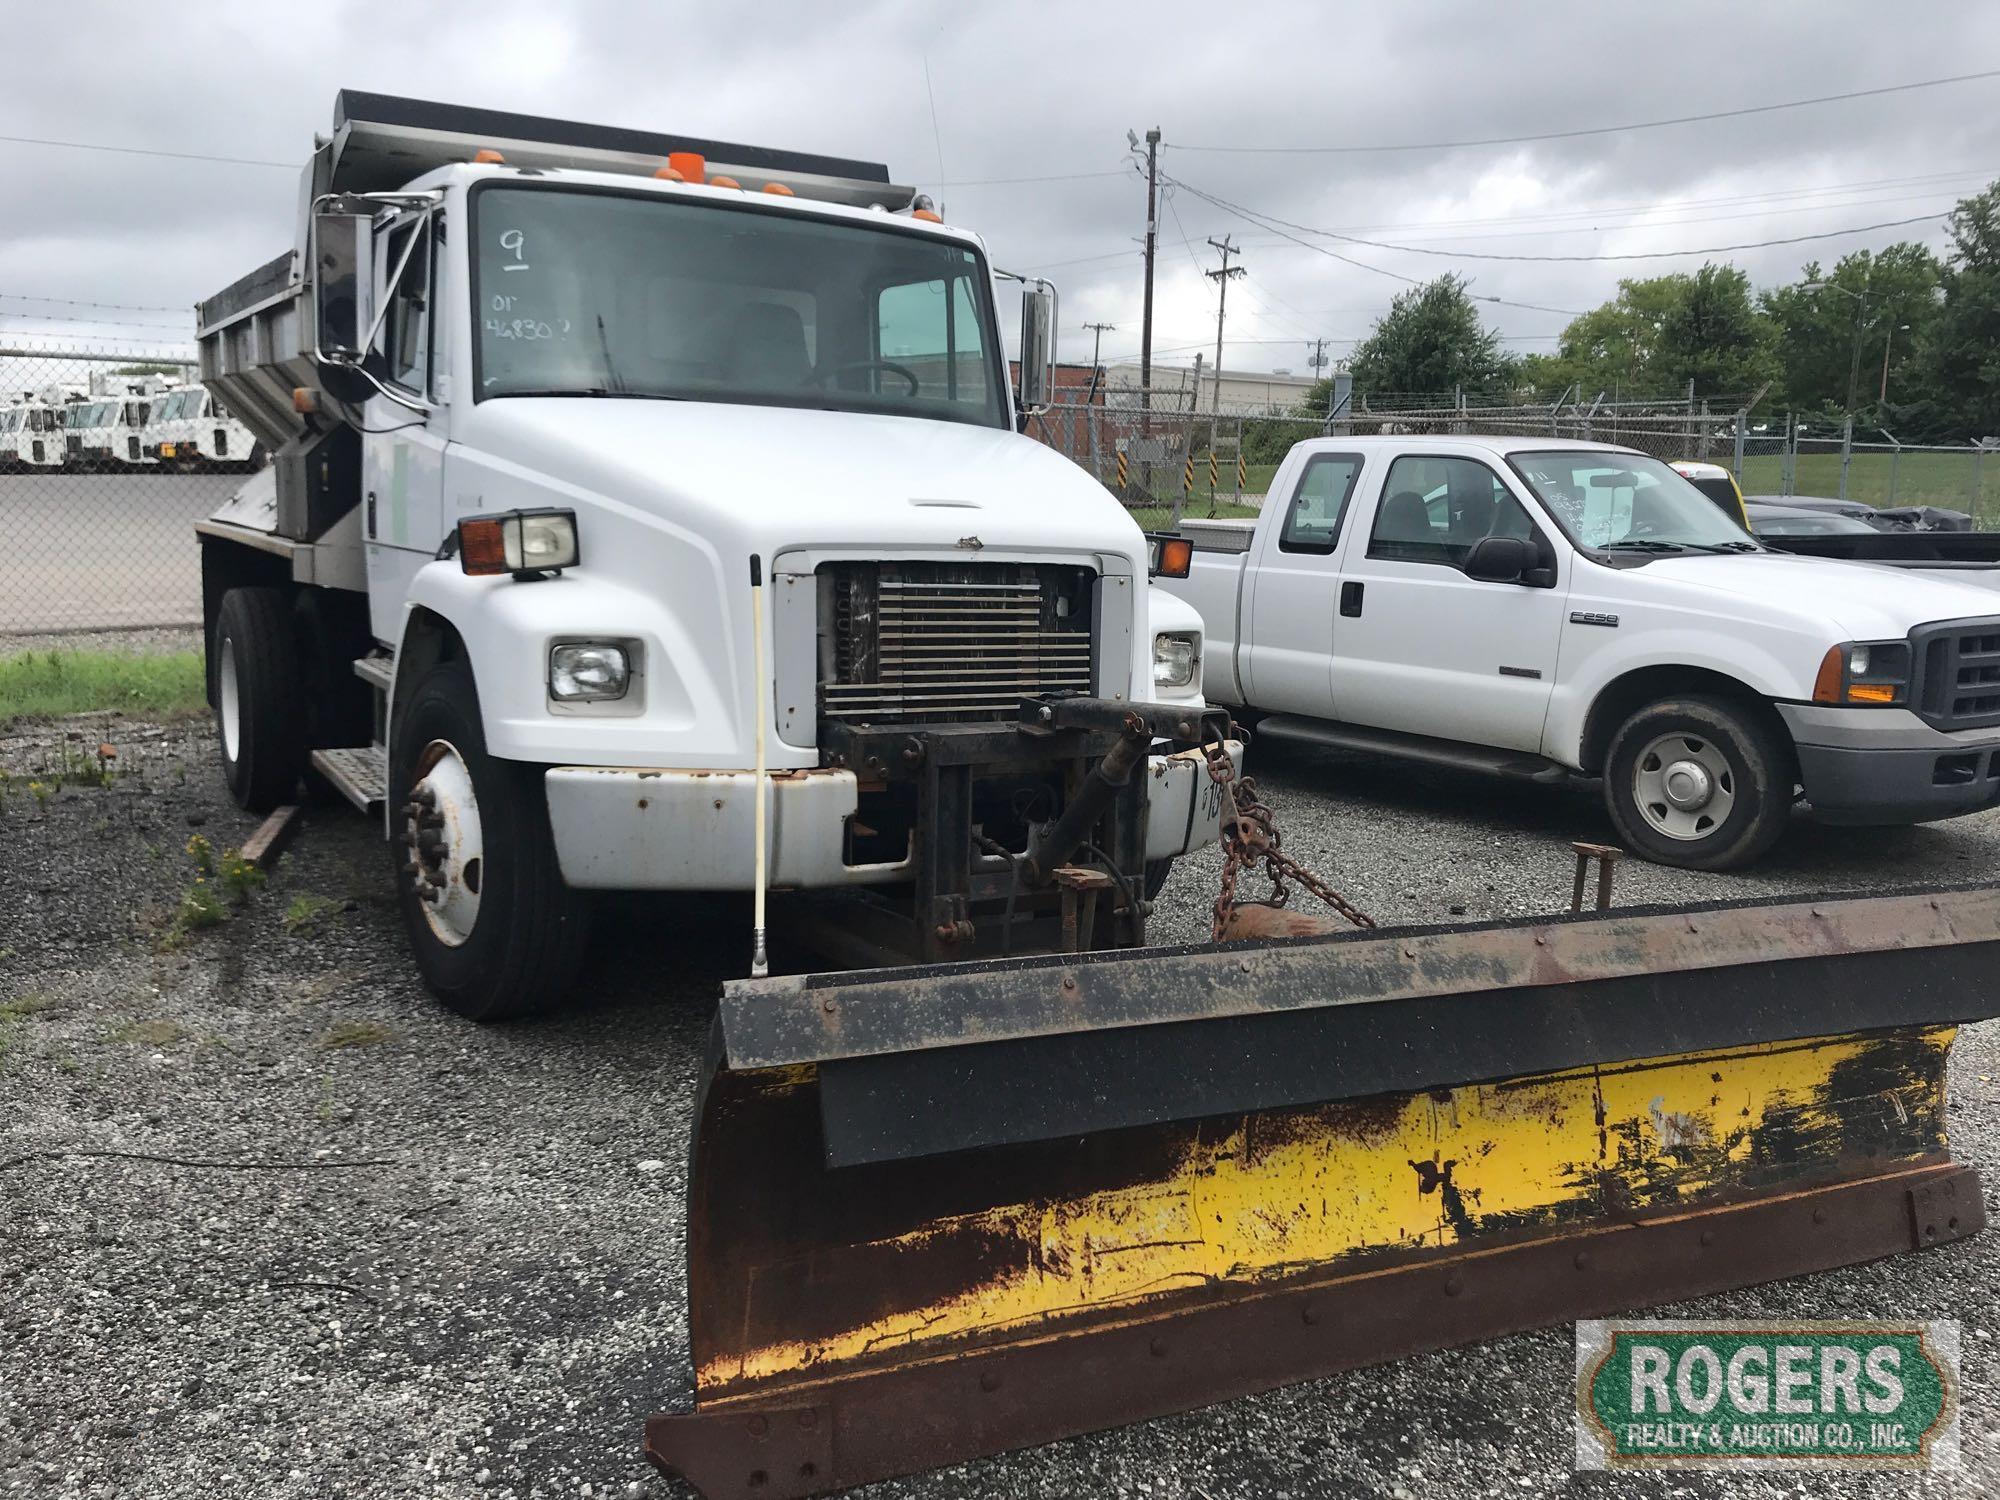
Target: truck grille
x,y
1959,673
950,642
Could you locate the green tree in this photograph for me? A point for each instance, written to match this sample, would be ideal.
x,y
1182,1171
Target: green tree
x,y
1834,327
1661,331
1432,339
1956,367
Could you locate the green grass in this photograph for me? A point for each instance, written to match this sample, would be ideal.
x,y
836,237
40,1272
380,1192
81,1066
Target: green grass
x,y
1943,479
50,684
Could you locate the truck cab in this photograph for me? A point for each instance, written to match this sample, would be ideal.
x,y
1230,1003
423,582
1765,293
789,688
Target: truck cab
x,y
616,472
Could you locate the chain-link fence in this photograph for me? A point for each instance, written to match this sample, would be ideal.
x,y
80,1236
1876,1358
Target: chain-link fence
x,y
1170,458
108,455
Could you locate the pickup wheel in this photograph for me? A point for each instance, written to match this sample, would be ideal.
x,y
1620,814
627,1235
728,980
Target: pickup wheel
x,y
260,716
497,932
1699,783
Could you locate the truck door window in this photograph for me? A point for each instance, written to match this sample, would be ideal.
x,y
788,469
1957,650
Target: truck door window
x,y
1435,509
407,330
1313,522
933,333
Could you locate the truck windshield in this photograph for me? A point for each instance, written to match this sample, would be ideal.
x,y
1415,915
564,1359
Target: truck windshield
x,y
607,294
1626,502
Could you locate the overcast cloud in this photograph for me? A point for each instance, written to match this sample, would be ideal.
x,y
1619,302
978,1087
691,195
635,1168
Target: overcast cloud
x,y
1036,90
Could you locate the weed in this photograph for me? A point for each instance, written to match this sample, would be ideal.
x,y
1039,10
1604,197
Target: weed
x,y
356,1034
239,876
147,1033
202,852
306,913
34,1002
50,684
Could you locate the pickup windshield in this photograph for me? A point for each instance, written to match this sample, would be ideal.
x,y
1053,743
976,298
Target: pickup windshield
x,y
1626,502
607,294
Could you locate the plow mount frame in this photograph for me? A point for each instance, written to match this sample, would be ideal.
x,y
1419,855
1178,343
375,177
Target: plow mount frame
x,y
904,1181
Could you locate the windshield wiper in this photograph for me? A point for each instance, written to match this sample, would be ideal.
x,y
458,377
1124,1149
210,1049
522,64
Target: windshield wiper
x,y
1643,544
595,390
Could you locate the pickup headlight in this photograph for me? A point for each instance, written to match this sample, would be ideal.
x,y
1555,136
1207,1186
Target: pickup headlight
x,y
588,672
1868,673
1175,656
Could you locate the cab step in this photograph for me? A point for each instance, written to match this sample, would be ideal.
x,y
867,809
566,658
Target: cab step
x,y
361,774
1519,764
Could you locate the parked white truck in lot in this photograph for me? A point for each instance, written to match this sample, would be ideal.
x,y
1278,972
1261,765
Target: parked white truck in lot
x,y
600,482
1543,609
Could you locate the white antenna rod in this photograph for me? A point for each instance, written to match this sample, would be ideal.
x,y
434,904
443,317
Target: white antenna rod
x,y
759,963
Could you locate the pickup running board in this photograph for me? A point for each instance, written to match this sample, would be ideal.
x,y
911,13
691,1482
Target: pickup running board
x,y
1518,764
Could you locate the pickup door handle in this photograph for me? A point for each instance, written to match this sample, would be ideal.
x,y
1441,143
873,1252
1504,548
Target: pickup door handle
x,y
1350,599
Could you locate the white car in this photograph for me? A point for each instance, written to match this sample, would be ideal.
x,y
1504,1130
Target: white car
x,y
1546,609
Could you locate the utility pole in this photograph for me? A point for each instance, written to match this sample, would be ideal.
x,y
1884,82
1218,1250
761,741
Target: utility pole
x,y
1152,239
1316,361
1221,279
1090,398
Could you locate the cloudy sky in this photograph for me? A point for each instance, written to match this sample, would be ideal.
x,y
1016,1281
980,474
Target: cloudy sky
x,y
1048,92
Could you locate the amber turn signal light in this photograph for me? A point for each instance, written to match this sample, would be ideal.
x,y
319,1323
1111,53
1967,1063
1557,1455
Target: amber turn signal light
x,y
1173,557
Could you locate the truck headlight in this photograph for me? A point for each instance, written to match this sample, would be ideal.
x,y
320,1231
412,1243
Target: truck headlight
x,y
521,542
1174,658
588,672
1873,673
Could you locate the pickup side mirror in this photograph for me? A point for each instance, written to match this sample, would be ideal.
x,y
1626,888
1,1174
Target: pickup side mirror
x,y
1038,344
343,287
1502,559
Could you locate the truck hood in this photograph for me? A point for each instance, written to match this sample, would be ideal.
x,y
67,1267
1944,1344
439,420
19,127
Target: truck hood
x,y
1864,601
766,477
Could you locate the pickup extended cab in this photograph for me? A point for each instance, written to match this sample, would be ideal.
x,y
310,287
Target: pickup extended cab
x,y
1548,608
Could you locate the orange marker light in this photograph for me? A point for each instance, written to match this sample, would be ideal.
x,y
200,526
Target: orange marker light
x,y
304,399
1176,557
729,182
1832,669
1871,692
486,156
668,174
780,189
926,215
482,547
692,165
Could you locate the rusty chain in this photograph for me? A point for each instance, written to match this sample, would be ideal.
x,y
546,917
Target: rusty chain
x,y
1250,838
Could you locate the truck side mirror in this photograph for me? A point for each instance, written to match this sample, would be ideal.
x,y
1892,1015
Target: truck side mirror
x,y
1038,323
343,286
1500,559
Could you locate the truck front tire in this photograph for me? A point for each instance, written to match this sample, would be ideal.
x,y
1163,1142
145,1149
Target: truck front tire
x,y
260,715
496,931
1699,783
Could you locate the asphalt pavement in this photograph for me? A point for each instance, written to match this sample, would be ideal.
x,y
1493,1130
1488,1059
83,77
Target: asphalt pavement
x,y
97,551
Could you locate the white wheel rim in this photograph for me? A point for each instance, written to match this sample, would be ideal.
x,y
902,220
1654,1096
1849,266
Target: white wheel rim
x,y
229,701
444,845
1684,786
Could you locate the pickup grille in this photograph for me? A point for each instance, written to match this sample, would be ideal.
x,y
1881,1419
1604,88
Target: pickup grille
x,y
915,642
1958,673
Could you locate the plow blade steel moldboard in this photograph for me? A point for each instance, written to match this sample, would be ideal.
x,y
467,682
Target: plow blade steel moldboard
x,y
1227,1169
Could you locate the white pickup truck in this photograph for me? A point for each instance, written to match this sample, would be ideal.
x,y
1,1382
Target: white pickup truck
x,y
612,471
1548,609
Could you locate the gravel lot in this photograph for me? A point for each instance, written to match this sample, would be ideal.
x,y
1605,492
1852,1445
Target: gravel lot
x,y
468,1279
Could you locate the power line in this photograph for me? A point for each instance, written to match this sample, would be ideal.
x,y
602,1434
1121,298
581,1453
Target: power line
x,y
1566,135
229,161
1267,221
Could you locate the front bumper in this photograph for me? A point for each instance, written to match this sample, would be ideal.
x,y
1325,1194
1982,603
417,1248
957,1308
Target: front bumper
x,y
623,828
1887,766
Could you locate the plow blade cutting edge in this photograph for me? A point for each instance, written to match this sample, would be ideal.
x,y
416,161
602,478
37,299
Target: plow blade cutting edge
x,y
940,1212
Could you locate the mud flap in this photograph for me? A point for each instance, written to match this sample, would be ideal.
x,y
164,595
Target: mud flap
x,y
870,1296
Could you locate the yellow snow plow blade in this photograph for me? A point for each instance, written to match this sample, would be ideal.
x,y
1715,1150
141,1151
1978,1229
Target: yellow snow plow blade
x,y
937,1213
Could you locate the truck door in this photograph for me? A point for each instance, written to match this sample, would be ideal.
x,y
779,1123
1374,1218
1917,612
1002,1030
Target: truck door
x,y
1421,647
402,452
1294,586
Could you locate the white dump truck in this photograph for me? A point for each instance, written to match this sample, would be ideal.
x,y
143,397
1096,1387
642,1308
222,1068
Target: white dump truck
x,y
609,468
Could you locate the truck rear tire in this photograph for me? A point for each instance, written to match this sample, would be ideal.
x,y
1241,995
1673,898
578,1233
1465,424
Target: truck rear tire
x,y
496,931
1698,783
260,716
